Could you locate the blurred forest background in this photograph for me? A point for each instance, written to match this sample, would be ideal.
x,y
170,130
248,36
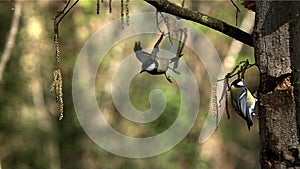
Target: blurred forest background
x,y
32,137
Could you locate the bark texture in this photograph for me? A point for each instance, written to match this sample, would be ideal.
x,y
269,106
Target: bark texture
x,y
295,57
275,39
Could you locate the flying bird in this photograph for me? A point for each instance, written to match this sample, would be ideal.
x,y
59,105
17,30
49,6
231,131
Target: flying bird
x,y
153,64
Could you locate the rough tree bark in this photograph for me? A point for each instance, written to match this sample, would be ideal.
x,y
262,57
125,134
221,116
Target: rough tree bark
x,y
276,44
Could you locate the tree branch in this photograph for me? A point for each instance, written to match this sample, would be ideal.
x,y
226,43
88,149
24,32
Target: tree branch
x,y
173,9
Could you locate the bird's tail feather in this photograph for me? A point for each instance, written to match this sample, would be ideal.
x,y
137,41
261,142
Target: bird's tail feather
x,y
137,46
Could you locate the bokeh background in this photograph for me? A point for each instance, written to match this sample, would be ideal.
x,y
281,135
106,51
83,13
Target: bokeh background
x,y
32,137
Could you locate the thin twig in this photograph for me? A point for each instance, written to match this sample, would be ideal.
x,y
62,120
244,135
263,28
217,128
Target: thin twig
x,y
226,100
11,38
181,44
110,6
98,7
183,37
122,14
237,12
158,23
182,4
65,13
215,102
246,65
57,75
236,46
60,14
167,23
127,12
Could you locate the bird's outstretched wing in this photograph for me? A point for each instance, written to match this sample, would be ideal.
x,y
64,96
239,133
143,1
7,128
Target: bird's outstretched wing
x,y
175,60
246,109
156,47
141,55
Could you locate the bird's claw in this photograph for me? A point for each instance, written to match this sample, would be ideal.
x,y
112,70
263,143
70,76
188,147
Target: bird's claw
x,y
176,71
169,78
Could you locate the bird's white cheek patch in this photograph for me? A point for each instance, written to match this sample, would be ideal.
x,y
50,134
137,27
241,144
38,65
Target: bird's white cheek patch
x,y
151,67
240,83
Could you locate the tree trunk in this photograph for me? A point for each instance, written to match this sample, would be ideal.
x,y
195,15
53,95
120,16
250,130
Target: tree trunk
x,y
276,44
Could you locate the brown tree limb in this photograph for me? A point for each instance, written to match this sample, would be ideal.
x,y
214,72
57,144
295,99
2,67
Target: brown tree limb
x,y
188,14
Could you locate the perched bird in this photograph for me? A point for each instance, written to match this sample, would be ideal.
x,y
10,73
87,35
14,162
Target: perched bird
x,y
151,63
242,101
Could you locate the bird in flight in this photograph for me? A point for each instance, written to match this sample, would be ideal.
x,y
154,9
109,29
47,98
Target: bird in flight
x,y
153,64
